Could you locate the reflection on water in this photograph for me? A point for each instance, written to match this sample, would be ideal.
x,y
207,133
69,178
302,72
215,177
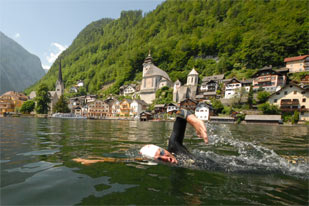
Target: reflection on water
x,y
262,165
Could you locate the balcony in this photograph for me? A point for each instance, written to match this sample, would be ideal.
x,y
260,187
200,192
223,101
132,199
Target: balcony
x,y
264,79
285,109
289,102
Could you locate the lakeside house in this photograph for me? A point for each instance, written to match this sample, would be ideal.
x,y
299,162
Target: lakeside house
x,y
159,108
188,104
203,111
75,102
137,106
297,64
10,101
145,116
98,109
125,108
171,107
292,97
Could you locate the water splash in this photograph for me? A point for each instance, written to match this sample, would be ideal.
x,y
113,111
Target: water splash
x,y
250,157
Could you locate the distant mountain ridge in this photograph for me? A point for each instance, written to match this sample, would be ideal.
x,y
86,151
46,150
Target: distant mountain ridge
x,y
19,69
215,37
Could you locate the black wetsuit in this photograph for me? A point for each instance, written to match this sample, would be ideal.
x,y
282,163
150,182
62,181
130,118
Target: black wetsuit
x,y
176,147
175,144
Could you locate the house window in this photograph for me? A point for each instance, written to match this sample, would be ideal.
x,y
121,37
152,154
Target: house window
x,y
304,99
295,92
275,100
286,92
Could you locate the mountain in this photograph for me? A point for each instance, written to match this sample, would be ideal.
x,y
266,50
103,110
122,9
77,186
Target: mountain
x,y
231,37
18,68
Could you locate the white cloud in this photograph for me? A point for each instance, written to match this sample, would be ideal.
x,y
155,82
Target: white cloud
x,y
17,35
55,50
46,67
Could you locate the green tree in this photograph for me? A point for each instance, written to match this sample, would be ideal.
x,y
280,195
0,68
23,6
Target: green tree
x,y
262,96
42,99
250,97
164,96
27,107
238,96
295,117
267,108
217,105
61,106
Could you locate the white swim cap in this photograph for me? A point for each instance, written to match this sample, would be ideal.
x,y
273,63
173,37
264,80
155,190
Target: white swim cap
x,y
149,151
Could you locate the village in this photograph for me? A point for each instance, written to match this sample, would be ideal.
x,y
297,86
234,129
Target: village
x,y
134,100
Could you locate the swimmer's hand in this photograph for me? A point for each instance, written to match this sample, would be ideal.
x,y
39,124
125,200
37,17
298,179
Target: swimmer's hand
x,y
199,127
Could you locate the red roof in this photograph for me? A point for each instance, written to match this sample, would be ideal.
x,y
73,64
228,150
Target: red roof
x,y
290,59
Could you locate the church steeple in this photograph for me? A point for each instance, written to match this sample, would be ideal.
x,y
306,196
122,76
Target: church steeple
x,y
148,59
60,73
59,83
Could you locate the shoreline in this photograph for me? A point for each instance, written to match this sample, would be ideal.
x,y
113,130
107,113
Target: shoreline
x,y
300,123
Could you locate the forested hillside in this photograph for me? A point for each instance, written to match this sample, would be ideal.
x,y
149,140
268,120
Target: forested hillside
x,y
231,37
18,68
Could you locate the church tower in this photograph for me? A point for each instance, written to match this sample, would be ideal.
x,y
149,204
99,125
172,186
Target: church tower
x,y
59,83
146,65
192,79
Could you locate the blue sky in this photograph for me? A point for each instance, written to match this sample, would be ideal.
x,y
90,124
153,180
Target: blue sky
x,y
47,27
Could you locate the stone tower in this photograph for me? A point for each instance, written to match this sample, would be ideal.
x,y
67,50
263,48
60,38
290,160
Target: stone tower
x,y
59,83
192,79
147,63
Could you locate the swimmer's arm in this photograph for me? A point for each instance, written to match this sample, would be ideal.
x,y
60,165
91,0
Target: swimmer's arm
x,y
102,159
199,127
87,161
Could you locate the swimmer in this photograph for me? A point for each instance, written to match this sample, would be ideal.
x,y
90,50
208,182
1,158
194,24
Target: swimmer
x,y
175,144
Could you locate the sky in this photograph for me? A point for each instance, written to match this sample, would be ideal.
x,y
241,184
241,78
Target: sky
x,y
47,27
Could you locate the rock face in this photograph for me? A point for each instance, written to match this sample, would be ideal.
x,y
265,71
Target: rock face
x,y
18,68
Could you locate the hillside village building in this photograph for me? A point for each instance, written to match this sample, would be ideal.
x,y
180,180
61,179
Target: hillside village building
x,y
187,91
290,98
153,79
209,86
268,79
297,64
234,86
130,89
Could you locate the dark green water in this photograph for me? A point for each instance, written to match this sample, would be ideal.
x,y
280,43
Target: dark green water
x,y
262,165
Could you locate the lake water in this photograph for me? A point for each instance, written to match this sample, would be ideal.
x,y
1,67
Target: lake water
x,y
260,164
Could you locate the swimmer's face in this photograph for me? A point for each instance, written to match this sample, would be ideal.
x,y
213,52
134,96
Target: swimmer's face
x,y
165,156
